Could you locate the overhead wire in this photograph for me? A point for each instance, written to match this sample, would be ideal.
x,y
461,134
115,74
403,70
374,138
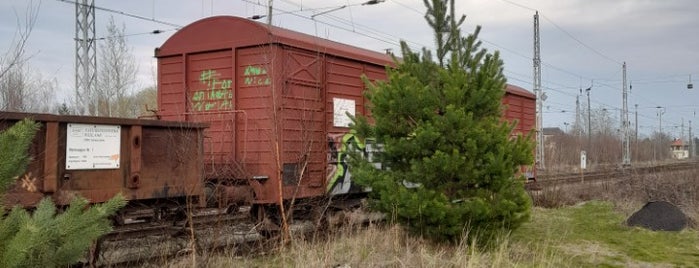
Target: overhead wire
x,y
385,37
566,32
126,14
393,40
377,38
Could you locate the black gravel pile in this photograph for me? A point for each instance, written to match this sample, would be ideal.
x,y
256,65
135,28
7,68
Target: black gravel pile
x,y
659,216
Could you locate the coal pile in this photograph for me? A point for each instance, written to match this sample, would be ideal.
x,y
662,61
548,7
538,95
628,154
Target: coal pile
x,y
659,216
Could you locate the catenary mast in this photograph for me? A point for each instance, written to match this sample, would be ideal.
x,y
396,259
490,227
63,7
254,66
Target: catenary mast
x,y
537,91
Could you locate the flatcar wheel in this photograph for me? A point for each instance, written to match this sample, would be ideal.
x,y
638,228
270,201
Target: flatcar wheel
x,y
232,209
118,219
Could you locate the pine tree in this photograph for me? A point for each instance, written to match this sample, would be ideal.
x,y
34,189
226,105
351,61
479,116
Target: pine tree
x,y
449,164
45,238
13,152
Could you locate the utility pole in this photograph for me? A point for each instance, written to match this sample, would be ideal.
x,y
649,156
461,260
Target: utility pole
x,y
660,119
269,12
537,91
682,129
589,119
85,55
636,124
626,158
691,141
661,111
577,115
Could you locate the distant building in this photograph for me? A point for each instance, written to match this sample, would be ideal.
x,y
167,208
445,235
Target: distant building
x,y
679,149
552,132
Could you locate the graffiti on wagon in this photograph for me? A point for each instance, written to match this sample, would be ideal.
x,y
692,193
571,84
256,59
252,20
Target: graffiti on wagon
x,y
215,95
339,176
256,76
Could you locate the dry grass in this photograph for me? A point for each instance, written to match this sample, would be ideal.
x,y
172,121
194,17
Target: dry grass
x,y
680,188
391,246
384,246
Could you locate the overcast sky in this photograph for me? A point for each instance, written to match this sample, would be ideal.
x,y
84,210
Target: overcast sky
x,y
581,41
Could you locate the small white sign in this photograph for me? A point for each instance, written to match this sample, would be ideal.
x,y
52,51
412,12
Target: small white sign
x,y
583,160
340,109
93,146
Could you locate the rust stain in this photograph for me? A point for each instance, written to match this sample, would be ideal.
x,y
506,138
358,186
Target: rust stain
x,y
114,157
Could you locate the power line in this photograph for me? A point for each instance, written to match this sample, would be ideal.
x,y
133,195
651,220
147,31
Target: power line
x,y
520,5
581,42
565,32
378,38
392,39
408,7
127,14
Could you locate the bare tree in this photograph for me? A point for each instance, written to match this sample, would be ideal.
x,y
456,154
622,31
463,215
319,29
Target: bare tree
x,y
15,55
141,103
116,73
24,91
12,76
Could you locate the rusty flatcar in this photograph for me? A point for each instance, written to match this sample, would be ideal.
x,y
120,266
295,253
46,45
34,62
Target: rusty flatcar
x,y
157,163
277,102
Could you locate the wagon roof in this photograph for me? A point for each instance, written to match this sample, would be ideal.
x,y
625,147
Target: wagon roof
x,y
515,90
225,32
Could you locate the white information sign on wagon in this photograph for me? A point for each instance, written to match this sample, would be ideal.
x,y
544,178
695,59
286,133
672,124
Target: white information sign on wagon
x,y
93,146
341,107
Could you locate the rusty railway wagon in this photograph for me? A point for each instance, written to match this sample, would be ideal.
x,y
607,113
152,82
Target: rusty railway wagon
x,y
155,164
277,104
248,113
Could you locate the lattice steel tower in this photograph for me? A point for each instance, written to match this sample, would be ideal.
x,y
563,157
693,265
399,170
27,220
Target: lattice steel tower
x,y
537,91
85,55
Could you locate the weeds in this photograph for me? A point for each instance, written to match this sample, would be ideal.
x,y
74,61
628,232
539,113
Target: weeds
x,y
577,233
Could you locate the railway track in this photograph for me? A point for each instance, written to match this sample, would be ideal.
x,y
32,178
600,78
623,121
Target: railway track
x,y
210,229
206,229
138,242
596,176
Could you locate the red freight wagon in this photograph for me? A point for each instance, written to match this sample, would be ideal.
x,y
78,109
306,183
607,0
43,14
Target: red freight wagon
x,y
276,101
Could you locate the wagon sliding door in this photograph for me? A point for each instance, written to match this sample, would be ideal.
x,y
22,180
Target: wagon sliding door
x,y
210,97
302,132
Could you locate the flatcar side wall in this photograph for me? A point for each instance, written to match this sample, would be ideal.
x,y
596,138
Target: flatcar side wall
x,y
29,188
147,161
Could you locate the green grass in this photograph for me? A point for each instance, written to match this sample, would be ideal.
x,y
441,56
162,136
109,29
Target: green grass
x,y
593,234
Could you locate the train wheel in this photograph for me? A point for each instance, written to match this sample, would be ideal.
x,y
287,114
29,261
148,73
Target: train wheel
x,y
263,215
232,209
210,194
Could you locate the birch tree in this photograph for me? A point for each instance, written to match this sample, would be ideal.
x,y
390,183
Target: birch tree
x,y
116,72
20,89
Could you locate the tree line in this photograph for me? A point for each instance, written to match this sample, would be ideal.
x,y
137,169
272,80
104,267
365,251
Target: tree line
x,y
115,93
603,144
